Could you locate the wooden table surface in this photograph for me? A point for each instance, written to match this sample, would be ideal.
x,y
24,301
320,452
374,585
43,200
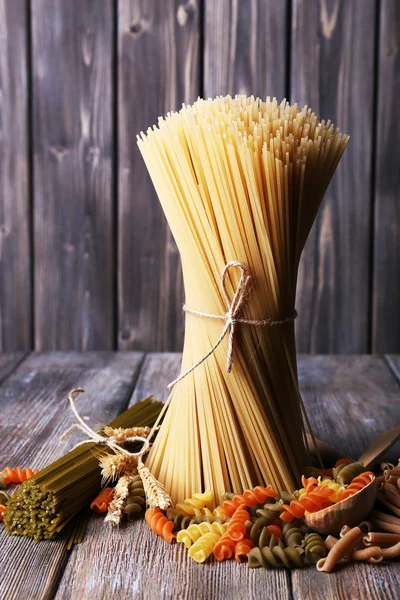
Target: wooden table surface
x,y
350,399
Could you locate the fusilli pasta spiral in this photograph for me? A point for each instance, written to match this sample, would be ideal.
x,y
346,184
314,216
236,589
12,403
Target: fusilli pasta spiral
x,y
224,548
17,475
101,503
242,549
159,523
292,535
237,525
180,520
198,501
194,532
357,484
204,546
276,557
344,474
315,500
314,547
136,500
249,498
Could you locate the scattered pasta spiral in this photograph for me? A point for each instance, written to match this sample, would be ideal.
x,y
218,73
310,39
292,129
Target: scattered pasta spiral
x,y
224,548
180,520
358,484
314,547
159,523
242,549
270,512
204,546
260,533
276,557
237,526
249,498
198,501
335,486
17,475
194,532
344,474
315,500
136,500
292,535
101,503
3,509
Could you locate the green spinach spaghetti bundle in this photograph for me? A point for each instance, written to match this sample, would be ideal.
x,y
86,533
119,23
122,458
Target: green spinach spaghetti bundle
x,y
240,181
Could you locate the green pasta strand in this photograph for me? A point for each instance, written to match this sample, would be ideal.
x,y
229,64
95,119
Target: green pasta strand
x,y
344,474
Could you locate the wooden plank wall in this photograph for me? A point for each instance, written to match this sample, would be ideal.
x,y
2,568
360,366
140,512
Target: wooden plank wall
x,y
86,257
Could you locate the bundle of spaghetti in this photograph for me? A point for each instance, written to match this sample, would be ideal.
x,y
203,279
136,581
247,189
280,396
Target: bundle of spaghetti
x,y
239,180
44,504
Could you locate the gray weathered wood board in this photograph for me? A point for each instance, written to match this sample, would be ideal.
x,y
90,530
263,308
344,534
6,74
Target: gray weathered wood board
x,y
87,260
15,255
74,245
9,362
386,269
245,49
158,70
34,415
332,63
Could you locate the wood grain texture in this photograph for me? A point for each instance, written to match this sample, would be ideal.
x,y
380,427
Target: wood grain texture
x,y
15,259
350,400
394,364
35,414
158,70
72,57
386,268
332,63
146,567
245,48
9,362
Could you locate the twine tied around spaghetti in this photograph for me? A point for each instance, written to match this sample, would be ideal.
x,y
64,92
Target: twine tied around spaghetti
x,y
231,317
97,438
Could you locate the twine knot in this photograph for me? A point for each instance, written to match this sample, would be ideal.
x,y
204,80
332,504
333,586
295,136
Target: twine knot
x,y
231,317
97,438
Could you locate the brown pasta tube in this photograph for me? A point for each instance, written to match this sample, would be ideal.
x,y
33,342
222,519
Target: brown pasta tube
x,y
385,526
386,466
339,550
392,478
380,479
392,493
390,506
384,540
392,552
376,515
372,553
330,542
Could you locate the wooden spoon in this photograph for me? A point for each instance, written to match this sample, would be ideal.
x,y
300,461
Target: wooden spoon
x,y
369,458
350,511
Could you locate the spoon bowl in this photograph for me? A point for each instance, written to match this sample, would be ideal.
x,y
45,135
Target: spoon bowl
x,y
350,511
